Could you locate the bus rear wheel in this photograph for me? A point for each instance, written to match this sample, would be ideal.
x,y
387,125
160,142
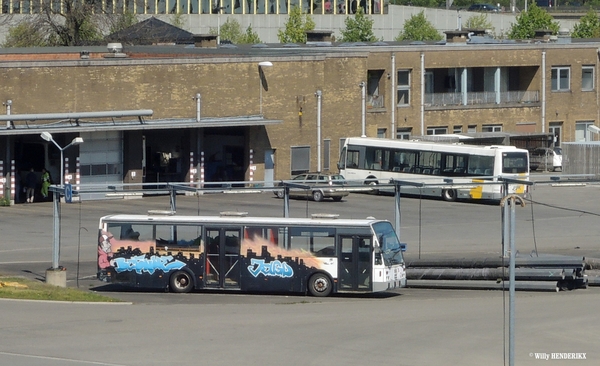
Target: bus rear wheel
x,y
449,195
181,282
319,285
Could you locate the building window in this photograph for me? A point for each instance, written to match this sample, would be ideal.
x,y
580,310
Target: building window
x,y
472,129
326,154
375,94
587,78
555,129
403,133
381,133
457,129
582,133
403,88
300,159
561,78
437,130
491,128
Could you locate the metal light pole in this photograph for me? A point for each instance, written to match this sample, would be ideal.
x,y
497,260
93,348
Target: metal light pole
x,y
260,77
76,141
55,275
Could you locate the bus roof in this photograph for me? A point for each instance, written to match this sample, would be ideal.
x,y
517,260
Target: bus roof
x,y
274,221
426,145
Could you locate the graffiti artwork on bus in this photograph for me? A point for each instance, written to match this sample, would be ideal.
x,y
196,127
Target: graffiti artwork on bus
x,y
268,259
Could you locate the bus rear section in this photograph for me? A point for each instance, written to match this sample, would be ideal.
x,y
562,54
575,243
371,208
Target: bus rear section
x,y
278,255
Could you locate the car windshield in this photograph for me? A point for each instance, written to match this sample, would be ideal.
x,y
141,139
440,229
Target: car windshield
x,y
388,242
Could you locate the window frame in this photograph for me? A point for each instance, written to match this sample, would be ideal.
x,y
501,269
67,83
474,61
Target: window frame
x,y
584,69
403,88
556,78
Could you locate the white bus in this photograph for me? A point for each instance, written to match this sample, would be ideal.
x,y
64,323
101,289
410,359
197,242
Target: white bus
x,y
257,254
462,171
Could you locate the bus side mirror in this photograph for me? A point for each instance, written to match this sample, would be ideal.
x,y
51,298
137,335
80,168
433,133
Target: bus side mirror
x,y
403,247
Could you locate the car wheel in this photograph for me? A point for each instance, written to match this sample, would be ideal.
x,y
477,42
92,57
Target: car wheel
x,y
181,282
319,285
317,196
279,194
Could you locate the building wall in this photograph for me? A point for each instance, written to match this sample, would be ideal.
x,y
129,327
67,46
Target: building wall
x,y
230,86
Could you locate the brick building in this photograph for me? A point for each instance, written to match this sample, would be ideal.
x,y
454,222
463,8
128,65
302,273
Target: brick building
x,y
262,122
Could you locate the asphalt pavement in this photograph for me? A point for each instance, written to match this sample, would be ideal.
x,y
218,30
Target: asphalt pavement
x,y
401,327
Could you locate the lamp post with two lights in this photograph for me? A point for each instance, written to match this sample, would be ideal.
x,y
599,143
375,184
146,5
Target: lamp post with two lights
x,y
56,275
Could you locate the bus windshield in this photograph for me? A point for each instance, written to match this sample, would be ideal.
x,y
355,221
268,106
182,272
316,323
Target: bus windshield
x,y
389,243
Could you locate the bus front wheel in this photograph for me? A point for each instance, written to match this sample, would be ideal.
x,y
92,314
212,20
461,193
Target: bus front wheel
x,y
181,282
449,195
319,285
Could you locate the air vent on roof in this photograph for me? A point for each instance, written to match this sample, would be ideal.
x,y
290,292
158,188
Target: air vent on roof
x,y
161,212
233,213
115,47
324,216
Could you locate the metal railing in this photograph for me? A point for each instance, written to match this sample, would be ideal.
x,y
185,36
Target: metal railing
x,y
482,98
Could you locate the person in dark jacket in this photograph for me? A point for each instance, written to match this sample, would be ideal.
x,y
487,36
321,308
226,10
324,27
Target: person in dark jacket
x,y
30,184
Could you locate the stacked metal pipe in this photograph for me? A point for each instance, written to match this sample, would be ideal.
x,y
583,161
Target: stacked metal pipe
x,y
532,273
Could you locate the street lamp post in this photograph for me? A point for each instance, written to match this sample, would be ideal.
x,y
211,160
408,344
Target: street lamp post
x,y
55,275
260,79
76,141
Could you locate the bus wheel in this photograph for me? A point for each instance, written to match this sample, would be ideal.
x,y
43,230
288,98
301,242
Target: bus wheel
x,y
181,282
318,196
449,195
319,285
372,184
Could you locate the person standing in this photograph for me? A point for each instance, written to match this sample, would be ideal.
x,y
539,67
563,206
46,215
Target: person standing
x,y
46,182
30,183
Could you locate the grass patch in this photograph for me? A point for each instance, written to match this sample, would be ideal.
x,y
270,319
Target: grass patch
x,y
24,289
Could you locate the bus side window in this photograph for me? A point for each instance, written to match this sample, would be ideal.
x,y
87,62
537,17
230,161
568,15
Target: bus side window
x,y
127,233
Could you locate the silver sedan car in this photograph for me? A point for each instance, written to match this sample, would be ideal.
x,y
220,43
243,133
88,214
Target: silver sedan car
x,y
322,185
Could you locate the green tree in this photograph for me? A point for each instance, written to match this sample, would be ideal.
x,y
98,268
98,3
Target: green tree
x,y
535,18
296,27
588,26
479,21
358,28
250,37
177,19
418,28
122,21
231,31
25,34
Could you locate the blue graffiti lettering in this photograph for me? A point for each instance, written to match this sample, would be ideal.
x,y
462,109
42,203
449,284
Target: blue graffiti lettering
x,y
274,268
141,264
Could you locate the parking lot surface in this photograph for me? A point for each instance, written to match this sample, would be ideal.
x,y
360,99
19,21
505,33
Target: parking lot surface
x,y
401,327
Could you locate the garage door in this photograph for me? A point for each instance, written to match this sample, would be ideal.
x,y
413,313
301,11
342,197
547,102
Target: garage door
x,y
101,160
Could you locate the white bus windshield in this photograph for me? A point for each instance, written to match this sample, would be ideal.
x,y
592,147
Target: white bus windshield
x,y
389,243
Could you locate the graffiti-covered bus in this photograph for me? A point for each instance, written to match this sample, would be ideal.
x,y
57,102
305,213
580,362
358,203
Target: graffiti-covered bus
x,y
316,255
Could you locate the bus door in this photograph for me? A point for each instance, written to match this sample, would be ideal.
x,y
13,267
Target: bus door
x,y
222,258
354,271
